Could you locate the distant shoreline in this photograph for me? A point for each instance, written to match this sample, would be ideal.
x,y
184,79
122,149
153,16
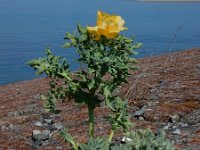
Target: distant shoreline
x,y
168,0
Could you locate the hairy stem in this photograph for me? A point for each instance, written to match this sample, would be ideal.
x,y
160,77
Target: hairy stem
x,y
111,135
91,121
75,146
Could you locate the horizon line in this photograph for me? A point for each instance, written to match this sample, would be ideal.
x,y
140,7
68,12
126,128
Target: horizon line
x,y
168,0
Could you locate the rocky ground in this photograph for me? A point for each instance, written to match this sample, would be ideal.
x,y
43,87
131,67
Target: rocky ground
x,y
163,93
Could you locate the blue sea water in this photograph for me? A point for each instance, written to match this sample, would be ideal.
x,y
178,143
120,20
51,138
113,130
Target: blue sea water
x,y
27,27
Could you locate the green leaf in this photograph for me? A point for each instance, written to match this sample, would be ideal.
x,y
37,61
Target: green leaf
x,y
97,55
95,144
107,59
65,75
91,70
66,45
68,36
106,91
138,45
91,84
68,138
43,97
33,62
81,29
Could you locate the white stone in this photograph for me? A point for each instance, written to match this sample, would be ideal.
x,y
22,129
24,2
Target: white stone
x,y
166,127
36,134
38,124
126,139
141,118
177,132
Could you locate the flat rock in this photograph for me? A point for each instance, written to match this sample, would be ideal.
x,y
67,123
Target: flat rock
x,y
57,126
40,135
36,134
140,112
176,132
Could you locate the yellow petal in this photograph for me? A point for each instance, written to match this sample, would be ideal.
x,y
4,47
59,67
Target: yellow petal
x,y
112,35
107,32
99,18
103,18
103,31
94,31
119,22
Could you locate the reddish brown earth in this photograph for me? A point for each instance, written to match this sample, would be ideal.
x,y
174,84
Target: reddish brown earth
x,y
168,85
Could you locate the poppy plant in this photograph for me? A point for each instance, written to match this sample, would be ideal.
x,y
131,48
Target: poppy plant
x,y
107,59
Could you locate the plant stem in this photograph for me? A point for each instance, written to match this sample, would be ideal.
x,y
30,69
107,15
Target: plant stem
x,y
111,135
91,121
75,146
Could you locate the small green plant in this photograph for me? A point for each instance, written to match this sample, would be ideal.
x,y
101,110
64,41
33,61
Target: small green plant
x,y
147,140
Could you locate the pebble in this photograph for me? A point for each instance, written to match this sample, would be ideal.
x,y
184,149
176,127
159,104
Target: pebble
x,y
59,148
174,119
141,118
166,127
182,125
176,132
38,135
45,143
37,143
57,126
125,139
174,127
48,121
153,97
140,112
38,124
45,135
36,97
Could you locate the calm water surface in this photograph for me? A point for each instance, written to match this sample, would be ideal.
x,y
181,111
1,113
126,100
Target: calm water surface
x,y
27,27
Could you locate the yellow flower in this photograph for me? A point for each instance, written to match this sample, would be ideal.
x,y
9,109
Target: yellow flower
x,y
107,25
